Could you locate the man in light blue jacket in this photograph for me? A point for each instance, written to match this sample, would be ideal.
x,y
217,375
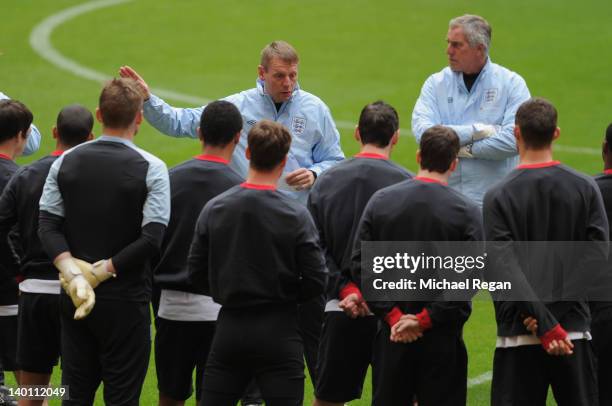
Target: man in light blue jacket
x,y
478,99
33,142
315,144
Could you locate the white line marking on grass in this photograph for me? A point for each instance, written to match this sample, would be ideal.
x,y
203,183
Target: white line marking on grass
x,y
577,150
40,41
480,379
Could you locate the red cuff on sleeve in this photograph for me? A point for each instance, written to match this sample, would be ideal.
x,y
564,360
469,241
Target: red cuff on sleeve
x,y
19,278
556,333
424,319
348,289
393,316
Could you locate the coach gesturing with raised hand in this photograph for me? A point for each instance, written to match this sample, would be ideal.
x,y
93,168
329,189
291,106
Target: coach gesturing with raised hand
x,y
315,140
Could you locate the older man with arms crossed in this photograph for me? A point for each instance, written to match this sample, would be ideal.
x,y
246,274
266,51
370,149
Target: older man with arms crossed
x,y
478,99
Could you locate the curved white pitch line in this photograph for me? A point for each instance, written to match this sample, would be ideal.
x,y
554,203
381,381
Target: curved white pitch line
x,y
40,40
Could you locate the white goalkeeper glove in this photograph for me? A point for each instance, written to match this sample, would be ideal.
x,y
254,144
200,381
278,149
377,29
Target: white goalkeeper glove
x,y
465,151
76,286
482,131
96,273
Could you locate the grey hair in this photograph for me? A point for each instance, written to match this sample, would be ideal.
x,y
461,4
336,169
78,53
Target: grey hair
x,y
476,29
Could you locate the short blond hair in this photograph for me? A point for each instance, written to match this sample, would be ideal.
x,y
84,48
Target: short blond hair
x,y
281,50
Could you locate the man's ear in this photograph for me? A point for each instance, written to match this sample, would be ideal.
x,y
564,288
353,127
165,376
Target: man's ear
x,y
99,115
395,137
237,137
282,163
418,157
357,134
260,72
139,117
453,165
557,133
90,136
55,133
517,133
200,136
247,153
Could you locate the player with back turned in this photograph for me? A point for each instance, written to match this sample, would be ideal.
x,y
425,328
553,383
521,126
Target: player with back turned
x,y
419,347
106,202
38,348
336,203
542,200
257,253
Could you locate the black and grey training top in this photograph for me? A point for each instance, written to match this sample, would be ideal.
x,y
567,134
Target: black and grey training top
x,y
192,183
8,263
544,202
19,206
419,209
108,199
253,246
336,203
602,308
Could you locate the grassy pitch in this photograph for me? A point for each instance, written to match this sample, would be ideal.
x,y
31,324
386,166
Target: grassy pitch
x,y
352,52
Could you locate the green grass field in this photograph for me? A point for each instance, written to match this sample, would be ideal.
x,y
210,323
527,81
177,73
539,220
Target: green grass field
x,y
352,52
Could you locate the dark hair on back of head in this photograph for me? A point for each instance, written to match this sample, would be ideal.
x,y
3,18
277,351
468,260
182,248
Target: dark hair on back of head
x,y
439,147
269,143
537,120
14,117
378,122
74,124
219,123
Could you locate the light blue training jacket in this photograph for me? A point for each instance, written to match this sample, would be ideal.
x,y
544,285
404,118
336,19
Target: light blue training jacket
x,y
494,98
315,140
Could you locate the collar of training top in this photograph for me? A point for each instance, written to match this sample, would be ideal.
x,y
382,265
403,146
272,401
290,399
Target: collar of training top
x,y
113,138
212,158
540,165
8,158
429,180
255,186
608,172
371,155
57,152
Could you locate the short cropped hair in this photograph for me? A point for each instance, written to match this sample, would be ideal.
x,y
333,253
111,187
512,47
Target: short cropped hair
x,y
269,143
439,147
119,103
15,117
476,29
609,137
378,122
220,122
537,120
281,50
74,124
